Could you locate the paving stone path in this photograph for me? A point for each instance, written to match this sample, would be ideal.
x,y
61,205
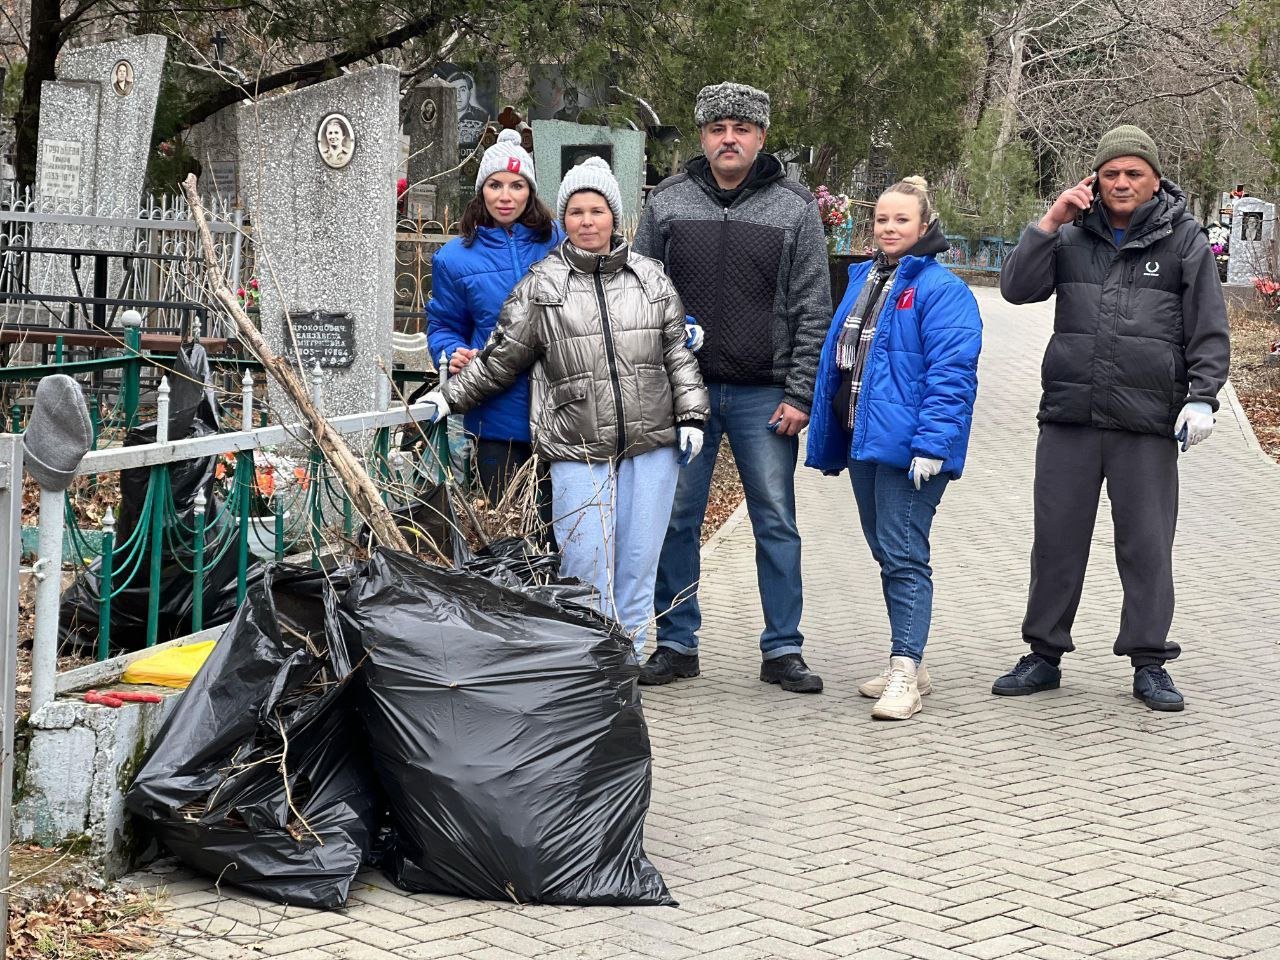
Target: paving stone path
x,y
1071,824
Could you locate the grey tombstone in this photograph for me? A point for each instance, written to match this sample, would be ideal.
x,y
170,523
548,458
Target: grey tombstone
x,y
318,178
432,122
1253,238
215,145
93,144
558,145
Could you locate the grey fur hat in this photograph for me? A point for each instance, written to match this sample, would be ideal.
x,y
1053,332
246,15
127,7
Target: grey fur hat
x,y
738,101
58,434
591,174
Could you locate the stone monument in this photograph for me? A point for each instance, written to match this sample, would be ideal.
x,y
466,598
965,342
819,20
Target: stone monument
x,y
558,145
318,178
432,122
93,145
215,145
1253,240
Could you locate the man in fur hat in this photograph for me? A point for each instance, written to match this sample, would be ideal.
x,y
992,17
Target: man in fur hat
x,y
745,248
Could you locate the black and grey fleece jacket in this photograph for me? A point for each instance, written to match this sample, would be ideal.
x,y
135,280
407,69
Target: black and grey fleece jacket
x,y
751,266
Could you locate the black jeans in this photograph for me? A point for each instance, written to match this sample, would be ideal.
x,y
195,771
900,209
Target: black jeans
x,y
1141,472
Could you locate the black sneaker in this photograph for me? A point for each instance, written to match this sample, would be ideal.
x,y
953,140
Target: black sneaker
x,y
1031,674
791,673
1154,687
665,665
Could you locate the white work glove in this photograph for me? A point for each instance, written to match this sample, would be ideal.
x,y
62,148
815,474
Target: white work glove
x,y
1194,424
690,441
441,404
922,468
693,334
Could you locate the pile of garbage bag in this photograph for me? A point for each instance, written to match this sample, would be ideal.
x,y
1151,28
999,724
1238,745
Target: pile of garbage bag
x,y
489,715
260,776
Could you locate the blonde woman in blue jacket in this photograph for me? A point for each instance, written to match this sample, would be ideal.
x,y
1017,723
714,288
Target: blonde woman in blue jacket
x,y
893,403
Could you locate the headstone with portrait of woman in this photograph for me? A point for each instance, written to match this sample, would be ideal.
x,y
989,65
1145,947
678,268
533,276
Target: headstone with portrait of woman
x,y
318,179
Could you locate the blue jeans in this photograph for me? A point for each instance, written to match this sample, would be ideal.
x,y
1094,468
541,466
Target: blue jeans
x,y
609,521
896,520
767,465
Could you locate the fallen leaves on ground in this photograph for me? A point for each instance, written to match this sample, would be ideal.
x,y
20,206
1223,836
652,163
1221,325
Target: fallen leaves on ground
x,y
726,493
1256,380
79,924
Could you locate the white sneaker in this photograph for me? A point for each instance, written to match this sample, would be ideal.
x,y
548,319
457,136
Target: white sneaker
x,y
901,697
874,687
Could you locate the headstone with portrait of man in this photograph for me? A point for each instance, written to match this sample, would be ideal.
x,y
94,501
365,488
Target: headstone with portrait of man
x,y
93,145
1252,248
431,119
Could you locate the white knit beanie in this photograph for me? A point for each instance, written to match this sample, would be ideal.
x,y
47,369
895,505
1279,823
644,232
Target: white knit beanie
x,y
506,156
591,174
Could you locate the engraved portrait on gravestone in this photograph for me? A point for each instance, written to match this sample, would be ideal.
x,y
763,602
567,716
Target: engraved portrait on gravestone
x,y
122,78
336,141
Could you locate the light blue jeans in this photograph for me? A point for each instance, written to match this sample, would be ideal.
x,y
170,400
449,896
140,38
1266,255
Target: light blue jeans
x,y
610,519
767,465
896,520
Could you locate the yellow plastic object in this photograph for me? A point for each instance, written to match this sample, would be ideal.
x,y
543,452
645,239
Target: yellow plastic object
x,y
170,668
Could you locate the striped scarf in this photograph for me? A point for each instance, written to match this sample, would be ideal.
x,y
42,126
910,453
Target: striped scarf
x,y
859,328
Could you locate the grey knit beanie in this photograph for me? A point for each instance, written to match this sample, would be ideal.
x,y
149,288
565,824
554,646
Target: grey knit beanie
x,y
591,174
59,433
735,101
506,156
1127,141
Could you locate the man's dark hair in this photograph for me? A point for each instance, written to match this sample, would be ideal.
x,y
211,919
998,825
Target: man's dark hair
x,y
536,217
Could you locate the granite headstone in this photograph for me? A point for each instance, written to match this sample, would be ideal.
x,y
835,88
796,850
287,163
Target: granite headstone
x,y
93,144
322,200
558,145
432,122
1253,239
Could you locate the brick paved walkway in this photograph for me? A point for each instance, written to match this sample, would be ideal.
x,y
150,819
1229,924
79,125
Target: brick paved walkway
x,y
1071,824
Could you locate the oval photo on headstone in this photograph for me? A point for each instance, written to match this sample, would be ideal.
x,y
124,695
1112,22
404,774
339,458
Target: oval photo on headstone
x,y
428,111
122,78
335,141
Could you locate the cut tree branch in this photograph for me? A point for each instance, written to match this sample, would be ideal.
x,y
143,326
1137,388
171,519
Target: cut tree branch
x,y
360,487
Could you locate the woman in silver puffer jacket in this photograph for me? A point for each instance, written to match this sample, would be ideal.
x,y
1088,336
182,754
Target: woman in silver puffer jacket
x,y
618,404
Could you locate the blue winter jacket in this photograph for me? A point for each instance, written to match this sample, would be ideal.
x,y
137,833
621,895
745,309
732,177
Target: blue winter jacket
x,y
468,288
920,379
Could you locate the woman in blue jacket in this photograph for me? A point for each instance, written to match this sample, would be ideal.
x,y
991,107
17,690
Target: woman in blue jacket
x,y
505,230
893,403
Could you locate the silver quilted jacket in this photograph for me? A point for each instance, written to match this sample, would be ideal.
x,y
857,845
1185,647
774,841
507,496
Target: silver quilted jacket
x,y
604,334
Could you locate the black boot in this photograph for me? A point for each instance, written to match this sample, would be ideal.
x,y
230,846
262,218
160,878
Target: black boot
x,y
665,665
1031,674
791,673
1154,687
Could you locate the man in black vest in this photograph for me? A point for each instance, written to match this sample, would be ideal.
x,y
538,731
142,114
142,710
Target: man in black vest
x,y
1140,349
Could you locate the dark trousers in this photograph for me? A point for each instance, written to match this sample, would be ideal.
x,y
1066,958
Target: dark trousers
x,y
1141,472
497,462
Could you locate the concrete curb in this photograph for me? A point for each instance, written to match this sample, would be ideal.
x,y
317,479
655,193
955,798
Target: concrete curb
x,y
1246,428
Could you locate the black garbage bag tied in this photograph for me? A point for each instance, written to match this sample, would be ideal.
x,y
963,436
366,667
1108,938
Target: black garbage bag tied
x,y
507,733
274,688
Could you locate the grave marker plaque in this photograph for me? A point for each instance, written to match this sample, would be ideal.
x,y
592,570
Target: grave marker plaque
x,y
60,169
328,339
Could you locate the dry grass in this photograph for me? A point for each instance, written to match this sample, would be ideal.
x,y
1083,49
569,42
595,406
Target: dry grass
x,y
1256,381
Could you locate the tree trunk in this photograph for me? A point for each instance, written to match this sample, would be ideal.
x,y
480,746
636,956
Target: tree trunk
x,y
1009,107
43,44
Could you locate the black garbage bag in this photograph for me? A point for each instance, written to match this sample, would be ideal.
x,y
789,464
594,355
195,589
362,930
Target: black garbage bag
x,y
507,733
212,790
193,413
